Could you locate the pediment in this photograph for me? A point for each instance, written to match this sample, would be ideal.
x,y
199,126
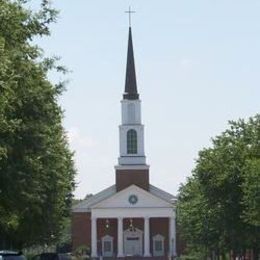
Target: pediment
x,y
133,197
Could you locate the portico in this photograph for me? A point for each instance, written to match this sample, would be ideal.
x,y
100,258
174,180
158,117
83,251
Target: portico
x,y
137,224
142,241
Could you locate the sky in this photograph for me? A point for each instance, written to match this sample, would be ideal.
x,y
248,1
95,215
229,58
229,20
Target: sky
x,y
197,65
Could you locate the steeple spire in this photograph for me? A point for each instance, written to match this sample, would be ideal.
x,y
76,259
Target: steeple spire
x,y
130,80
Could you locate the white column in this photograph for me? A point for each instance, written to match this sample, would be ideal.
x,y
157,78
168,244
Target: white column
x,y
93,237
147,252
120,252
172,235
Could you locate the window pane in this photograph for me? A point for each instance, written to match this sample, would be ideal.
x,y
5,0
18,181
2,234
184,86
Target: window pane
x,y
107,246
158,245
131,142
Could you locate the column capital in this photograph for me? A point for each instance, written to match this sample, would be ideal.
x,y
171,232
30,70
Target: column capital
x,y
147,217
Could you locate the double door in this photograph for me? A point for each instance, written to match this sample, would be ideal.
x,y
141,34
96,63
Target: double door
x,y
133,243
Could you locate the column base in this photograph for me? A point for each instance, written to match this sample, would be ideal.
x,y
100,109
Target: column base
x,y
147,255
120,256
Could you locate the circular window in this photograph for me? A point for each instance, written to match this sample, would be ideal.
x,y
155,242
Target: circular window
x,y
133,199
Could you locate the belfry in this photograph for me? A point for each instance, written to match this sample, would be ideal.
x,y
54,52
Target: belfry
x,y
132,218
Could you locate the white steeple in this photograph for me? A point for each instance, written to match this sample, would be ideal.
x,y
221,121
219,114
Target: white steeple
x,y
131,130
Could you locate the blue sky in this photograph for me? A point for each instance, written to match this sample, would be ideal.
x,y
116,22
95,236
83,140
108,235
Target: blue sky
x,y
198,66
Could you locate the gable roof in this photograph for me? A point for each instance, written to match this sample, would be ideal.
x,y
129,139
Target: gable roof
x,y
144,199
87,204
162,194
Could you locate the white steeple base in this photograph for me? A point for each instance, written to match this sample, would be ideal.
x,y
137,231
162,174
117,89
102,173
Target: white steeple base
x,y
133,160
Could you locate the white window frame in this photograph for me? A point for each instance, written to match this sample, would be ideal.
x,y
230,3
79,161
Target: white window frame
x,y
158,238
132,141
109,239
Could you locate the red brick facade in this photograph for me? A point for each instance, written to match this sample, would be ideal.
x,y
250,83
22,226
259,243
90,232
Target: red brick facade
x,y
160,226
125,178
81,230
81,222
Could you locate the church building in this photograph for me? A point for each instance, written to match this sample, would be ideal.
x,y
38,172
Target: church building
x,y
132,218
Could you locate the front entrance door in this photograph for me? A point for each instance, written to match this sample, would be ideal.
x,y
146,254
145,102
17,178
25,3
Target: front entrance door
x,y
133,242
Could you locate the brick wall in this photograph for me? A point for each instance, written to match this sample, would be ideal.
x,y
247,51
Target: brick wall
x,y
106,227
159,226
81,229
125,178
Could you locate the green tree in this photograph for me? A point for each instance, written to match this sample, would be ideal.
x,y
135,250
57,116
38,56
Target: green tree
x,y
227,179
197,219
251,192
36,166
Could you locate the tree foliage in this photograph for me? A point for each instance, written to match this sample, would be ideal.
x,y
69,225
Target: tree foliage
x,y
219,206
36,167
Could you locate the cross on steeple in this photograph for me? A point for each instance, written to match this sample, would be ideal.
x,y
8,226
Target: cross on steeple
x,y
129,12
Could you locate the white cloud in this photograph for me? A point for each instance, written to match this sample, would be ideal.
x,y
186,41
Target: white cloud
x,y
78,140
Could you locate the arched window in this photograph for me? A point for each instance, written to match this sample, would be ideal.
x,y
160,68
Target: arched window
x,y
131,141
